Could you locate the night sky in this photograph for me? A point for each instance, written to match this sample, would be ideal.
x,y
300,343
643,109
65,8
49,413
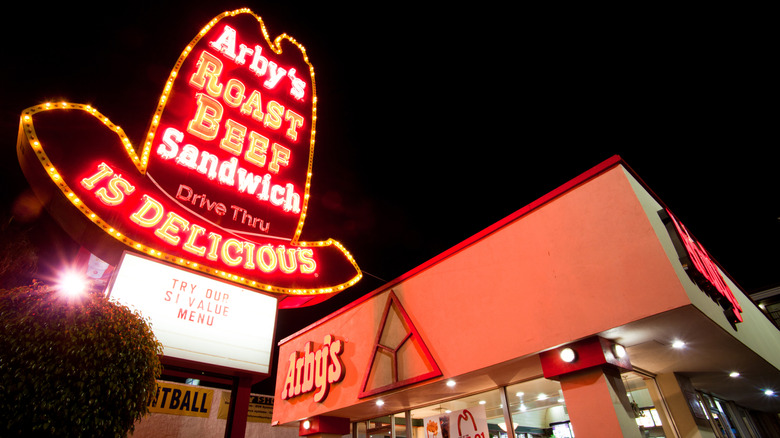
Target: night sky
x,y
434,123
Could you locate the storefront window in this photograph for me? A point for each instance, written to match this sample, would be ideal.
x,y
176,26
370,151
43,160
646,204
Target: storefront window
x,y
489,401
721,422
646,414
538,409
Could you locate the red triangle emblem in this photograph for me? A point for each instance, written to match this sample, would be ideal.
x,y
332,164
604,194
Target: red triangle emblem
x,y
400,357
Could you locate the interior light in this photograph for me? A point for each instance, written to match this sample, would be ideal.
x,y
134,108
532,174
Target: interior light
x,y
734,374
450,383
542,396
522,407
620,351
678,344
769,392
380,403
520,394
482,402
568,355
307,425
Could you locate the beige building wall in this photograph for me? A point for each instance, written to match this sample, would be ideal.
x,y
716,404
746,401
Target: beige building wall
x,y
160,425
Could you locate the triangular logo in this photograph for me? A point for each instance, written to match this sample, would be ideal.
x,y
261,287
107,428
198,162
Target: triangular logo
x,y
400,356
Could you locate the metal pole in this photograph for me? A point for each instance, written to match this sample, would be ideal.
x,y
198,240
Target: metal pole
x,y
510,426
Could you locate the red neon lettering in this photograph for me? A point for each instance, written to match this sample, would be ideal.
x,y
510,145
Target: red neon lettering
x,y
231,252
706,267
234,93
252,106
149,207
172,225
234,137
103,171
207,75
189,246
228,172
281,157
115,191
205,124
273,116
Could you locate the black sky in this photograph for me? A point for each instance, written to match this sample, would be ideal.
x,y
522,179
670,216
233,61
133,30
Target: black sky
x,y
434,123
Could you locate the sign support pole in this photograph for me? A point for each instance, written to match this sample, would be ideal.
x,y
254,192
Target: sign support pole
x,y
239,407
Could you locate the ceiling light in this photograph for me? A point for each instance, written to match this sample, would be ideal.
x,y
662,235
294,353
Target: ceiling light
x,y
678,344
568,355
450,383
769,392
520,394
380,403
307,424
542,396
620,351
734,374
482,402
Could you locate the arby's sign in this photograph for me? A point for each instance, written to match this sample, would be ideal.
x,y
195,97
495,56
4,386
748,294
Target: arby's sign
x,y
706,274
221,181
314,370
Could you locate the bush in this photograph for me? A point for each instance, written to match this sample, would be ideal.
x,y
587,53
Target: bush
x,y
73,367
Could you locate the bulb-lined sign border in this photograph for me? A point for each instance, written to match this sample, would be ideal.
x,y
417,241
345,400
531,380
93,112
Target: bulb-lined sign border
x,y
103,187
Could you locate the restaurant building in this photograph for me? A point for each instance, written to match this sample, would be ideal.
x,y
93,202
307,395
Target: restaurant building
x,y
592,312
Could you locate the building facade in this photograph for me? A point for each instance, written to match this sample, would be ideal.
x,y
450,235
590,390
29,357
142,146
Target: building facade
x,y
591,312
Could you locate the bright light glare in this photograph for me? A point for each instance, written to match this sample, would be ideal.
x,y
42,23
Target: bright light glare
x,y
678,344
450,383
73,284
734,374
769,392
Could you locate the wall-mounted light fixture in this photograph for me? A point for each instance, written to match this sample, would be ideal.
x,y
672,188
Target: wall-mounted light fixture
x,y
568,355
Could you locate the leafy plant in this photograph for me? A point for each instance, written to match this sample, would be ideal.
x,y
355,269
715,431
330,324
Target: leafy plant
x,y
18,255
73,366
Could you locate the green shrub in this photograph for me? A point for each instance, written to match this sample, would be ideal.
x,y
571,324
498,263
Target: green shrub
x,y
73,367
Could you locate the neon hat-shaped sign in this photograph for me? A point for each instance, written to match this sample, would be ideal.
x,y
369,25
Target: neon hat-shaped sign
x,y
221,182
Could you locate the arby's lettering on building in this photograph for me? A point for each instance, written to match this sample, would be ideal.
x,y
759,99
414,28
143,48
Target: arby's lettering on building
x,y
314,370
706,273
